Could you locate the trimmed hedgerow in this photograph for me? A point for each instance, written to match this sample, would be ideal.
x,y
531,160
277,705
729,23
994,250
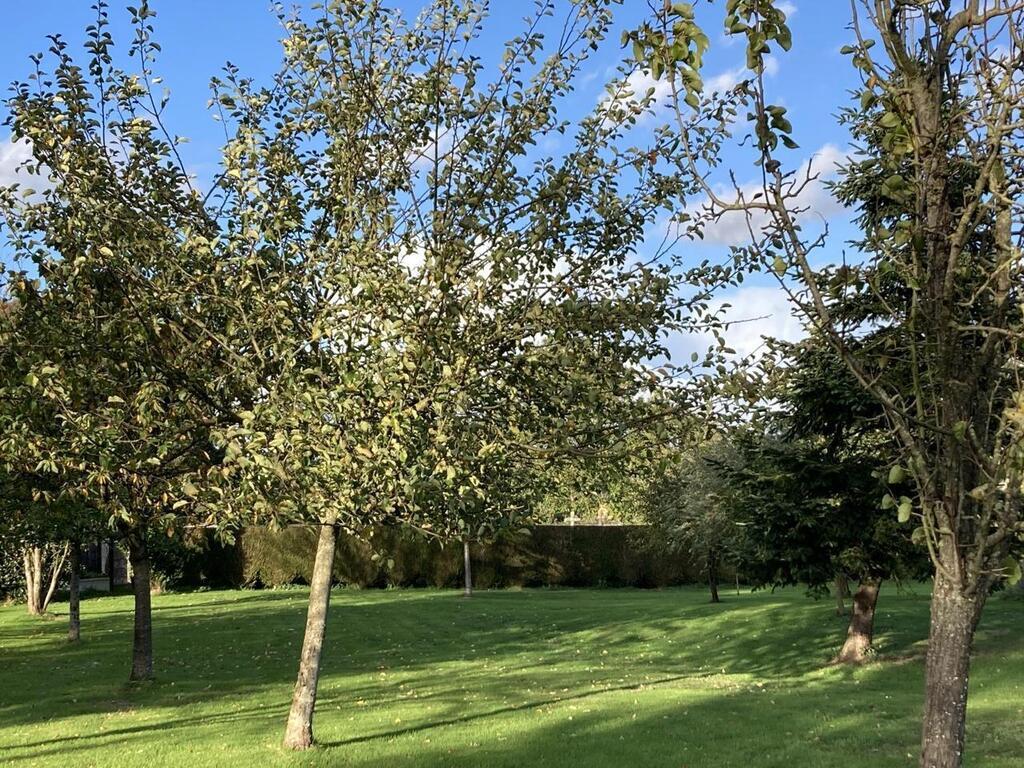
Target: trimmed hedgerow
x,y
576,556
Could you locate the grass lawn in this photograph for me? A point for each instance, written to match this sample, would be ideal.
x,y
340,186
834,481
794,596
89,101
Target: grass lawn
x,y
521,678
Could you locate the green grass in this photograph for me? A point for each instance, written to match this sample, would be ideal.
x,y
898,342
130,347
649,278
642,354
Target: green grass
x,y
519,678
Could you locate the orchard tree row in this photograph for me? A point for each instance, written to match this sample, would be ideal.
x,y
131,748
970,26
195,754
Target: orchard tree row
x,y
393,305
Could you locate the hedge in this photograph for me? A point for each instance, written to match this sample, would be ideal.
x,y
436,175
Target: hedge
x,y
549,555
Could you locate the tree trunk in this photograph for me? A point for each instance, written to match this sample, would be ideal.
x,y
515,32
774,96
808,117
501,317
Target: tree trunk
x,y
74,615
467,570
56,570
111,548
299,731
38,593
842,592
713,575
32,598
142,645
862,624
954,619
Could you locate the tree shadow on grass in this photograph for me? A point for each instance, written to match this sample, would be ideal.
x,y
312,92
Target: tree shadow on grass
x,y
465,661
819,726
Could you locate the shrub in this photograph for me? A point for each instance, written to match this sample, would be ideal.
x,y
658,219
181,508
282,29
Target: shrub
x,y
549,555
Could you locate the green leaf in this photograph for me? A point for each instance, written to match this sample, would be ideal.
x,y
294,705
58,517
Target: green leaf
x,y
905,509
889,120
978,493
897,475
657,67
1012,567
784,38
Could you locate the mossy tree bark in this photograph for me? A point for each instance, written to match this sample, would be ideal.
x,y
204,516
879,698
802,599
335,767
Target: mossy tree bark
x,y
954,619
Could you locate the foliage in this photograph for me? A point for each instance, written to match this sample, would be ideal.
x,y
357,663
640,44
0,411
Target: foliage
x,y
472,309
600,495
937,187
581,555
691,507
12,573
809,517
120,376
177,560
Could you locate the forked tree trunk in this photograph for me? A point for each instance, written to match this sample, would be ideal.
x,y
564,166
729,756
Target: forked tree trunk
x,y
142,643
954,619
74,614
713,575
39,592
467,570
862,624
299,731
842,592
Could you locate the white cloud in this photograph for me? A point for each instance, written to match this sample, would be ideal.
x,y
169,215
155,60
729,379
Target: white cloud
x,y
730,78
787,8
422,158
639,88
753,313
413,257
13,155
757,312
734,228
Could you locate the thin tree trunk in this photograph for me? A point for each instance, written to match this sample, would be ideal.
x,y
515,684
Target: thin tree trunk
x,y
58,569
299,731
467,569
37,579
954,619
38,576
110,564
31,592
843,584
862,624
142,644
842,592
713,576
74,614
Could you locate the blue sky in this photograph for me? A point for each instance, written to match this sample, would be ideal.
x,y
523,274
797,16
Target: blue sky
x,y
198,37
